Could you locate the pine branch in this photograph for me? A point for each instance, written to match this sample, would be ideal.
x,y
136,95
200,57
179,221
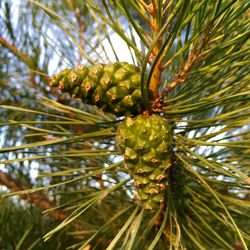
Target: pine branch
x,y
15,51
80,28
193,57
27,60
154,10
38,200
144,4
182,75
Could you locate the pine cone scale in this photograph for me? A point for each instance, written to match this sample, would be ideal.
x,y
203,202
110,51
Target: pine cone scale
x,y
114,88
145,142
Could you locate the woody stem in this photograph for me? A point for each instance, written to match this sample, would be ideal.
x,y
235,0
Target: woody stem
x,y
156,25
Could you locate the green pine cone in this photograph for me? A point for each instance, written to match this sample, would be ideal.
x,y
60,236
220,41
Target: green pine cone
x,y
114,87
145,142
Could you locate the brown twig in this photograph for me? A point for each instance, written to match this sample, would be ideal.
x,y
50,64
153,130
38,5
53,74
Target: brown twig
x,y
15,50
182,75
144,4
167,7
100,181
81,26
155,26
26,59
201,49
39,200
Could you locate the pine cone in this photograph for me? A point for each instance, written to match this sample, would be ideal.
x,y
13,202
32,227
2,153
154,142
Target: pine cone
x,y
145,142
114,88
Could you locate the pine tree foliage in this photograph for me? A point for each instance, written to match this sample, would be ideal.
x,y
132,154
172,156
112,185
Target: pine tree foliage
x,y
194,59
27,227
